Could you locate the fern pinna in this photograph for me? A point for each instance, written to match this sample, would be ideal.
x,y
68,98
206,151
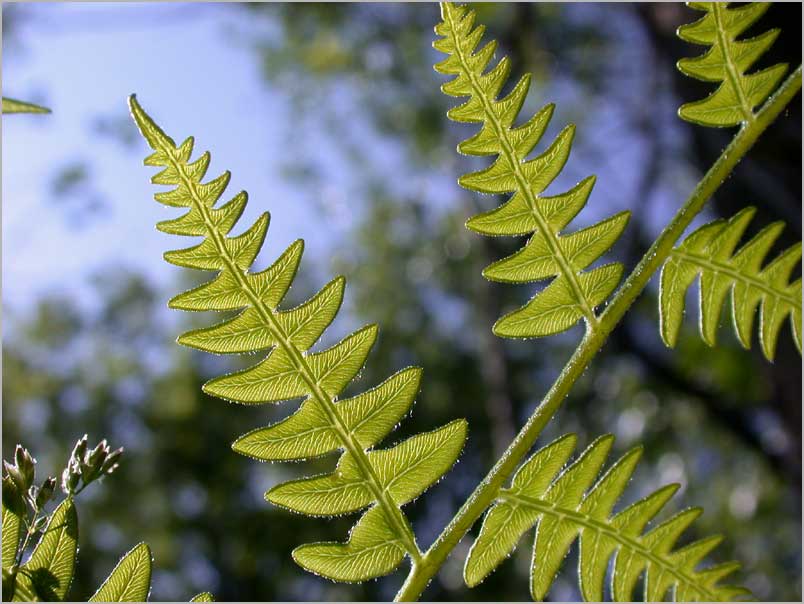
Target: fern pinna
x,y
563,507
573,293
380,480
727,60
15,106
710,253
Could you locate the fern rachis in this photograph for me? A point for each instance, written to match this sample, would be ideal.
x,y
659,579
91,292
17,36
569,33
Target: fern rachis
x,y
382,480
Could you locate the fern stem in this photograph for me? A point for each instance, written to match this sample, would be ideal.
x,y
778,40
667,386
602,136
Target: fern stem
x,y
507,148
731,69
593,340
394,515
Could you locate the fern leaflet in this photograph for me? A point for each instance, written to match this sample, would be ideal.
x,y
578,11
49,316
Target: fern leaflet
x,y
727,61
563,507
15,106
572,294
380,480
710,253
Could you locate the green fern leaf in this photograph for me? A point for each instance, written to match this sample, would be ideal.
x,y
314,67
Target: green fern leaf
x,y
549,254
726,62
381,480
49,571
14,106
569,504
203,597
709,252
130,581
373,549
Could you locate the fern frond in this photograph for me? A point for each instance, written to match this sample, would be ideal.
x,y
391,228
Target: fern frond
x,y
15,106
710,253
727,62
549,254
565,503
380,481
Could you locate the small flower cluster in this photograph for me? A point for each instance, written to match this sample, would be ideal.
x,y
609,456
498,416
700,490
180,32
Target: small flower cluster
x,y
86,465
18,483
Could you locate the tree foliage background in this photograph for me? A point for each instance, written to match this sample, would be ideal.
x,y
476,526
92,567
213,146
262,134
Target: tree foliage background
x,y
363,143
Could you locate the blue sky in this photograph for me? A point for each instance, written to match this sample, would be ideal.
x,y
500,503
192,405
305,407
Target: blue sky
x,y
195,70
196,75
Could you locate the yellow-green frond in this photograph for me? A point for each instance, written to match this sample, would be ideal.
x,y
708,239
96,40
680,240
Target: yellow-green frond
x,y
727,62
569,503
365,477
574,292
709,253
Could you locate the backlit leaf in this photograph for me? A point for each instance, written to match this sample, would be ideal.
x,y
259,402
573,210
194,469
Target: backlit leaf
x,y
51,566
130,581
373,550
12,531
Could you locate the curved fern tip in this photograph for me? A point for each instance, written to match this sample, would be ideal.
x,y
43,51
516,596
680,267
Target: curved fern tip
x,y
134,105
